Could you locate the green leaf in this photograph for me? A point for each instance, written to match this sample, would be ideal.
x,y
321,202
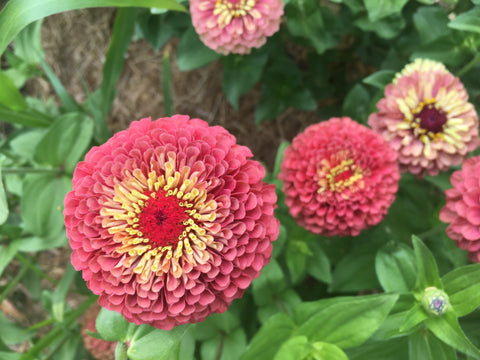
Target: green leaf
x,y
380,9
463,288
28,43
356,103
447,329
391,326
111,325
415,316
156,344
234,344
427,267
192,53
22,118
7,253
10,97
308,21
348,323
386,28
3,200
241,73
16,15
58,297
65,141
394,349
279,158
380,79
423,345
297,253
395,267
42,203
318,265
323,350
431,23
269,338
292,349
270,282
469,21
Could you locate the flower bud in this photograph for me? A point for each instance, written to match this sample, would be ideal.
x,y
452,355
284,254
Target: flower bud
x,y
435,301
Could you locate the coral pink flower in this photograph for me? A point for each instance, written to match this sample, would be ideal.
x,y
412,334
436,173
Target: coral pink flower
x,y
235,26
339,177
425,116
100,349
462,209
170,221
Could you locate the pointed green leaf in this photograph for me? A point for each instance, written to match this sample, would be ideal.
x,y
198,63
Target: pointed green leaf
x,y
447,329
469,21
396,268
348,323
423,345
427,267
156,344
380,9
58,296
292,349
3,201
463,288
380,79
192,53
16,15
10,96
22,118
414,317
270,337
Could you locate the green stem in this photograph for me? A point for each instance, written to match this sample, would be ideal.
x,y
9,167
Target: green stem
x,y
11,285
30,170
35,269
469,66
167,82
219,351
41,324
121,351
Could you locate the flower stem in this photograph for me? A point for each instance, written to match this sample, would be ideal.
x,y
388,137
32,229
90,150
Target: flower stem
x,y
469,66
166,82
121,351
11,285
35,269
219,351
30,170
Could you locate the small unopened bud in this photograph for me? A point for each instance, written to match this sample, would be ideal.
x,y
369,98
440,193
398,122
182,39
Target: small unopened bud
x,y
435,301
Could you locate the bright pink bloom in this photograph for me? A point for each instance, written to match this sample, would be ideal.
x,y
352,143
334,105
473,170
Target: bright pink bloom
x,y
100,349
170,221
235,26
339,177
426,117
462,209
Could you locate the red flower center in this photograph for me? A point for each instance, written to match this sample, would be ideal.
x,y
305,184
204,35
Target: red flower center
x,y
162,220
345,174
431,119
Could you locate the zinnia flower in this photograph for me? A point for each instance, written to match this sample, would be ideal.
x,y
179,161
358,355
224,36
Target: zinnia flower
x,y
462,209
100,349
426,117
339,177
170,221
235,26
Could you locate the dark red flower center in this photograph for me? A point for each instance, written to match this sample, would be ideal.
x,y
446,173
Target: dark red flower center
x,y
431,119
344,175
162,220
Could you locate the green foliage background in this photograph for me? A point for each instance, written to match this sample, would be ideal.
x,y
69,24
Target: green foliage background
x,y
319,298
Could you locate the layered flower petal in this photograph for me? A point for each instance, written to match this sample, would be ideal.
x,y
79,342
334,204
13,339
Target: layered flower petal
x,y
462,208
169,221
426,117
235,26
339,177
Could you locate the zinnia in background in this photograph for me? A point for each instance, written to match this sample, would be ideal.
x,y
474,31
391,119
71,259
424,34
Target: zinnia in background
x,y
339,177
426,117
462,209
170,221
235,26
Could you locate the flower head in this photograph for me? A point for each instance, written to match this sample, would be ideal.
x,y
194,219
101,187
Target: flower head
x,y
339,177
235,26
462,209
435,301
100,349
170,221
426,118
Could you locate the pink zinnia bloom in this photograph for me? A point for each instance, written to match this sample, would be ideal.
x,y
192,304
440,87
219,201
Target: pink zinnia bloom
x,y
339,177
426,117
462,209
100,349
235,26
170,221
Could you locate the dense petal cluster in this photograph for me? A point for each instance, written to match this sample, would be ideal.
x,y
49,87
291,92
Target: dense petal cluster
x,y
100,349
426,117
462,209
235,26
339,177
170,221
